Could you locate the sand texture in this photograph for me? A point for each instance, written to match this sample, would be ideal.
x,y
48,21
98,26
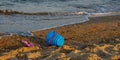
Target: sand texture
x,y
97,39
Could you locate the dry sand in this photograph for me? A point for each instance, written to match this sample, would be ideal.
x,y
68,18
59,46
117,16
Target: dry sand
x,y
97,39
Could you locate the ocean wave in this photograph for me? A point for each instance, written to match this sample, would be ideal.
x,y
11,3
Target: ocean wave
x,y
10,12
103,14
53,7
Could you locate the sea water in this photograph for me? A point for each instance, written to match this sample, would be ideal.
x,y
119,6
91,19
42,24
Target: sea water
x,y
32,15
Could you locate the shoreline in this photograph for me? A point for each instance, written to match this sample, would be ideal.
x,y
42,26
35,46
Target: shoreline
x,y
92,15
98,38
93,21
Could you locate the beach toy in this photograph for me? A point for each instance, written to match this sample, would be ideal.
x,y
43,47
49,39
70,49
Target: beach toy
x,y
27,44
53,38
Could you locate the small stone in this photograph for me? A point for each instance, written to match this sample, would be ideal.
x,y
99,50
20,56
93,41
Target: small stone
x,y
116,57
117,39
66,58
94,57
68,48
13,59
83,45
62,55
77,51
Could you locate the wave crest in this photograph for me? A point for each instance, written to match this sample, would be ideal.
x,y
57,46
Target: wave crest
x,y
9,12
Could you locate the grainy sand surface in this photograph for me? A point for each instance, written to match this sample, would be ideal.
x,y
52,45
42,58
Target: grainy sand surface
x,y
97,39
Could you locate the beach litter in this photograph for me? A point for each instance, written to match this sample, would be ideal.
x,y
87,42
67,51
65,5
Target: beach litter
x,y
27,44
54,39
25,33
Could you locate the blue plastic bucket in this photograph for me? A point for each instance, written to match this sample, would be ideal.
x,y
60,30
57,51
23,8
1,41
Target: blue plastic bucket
x,y
53,38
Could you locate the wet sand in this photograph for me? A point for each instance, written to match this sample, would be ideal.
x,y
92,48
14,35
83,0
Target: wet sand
x,y
97,39
27,23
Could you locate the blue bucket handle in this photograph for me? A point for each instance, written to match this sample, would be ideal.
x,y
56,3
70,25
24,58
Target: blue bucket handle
x,y
53,37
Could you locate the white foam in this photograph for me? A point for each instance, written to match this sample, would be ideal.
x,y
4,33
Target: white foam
x,y
104,14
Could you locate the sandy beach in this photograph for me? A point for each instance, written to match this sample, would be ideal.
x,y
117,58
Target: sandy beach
x,y
97,39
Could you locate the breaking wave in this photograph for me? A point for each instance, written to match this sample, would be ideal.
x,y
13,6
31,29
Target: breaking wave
x,y
29,15
46,7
